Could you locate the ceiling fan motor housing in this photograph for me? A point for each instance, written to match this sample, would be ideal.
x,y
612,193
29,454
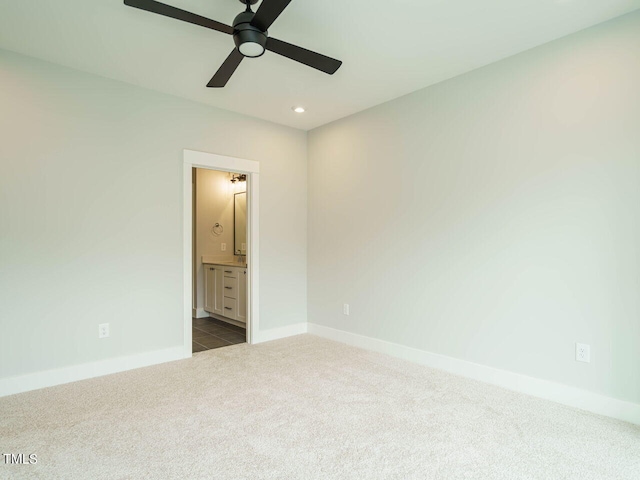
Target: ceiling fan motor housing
x,y
250,40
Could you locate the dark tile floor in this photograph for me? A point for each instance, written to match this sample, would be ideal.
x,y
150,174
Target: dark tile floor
x,y
210,333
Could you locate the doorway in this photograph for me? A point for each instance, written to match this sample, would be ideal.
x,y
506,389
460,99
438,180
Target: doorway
x,y
220,251
219,259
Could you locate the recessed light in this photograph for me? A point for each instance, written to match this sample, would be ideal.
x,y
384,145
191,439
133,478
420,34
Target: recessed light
x,y
298,109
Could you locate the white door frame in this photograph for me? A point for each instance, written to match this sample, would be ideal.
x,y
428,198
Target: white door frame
x,y
193,159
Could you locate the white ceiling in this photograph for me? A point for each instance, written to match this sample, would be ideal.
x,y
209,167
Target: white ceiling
x,y
389,47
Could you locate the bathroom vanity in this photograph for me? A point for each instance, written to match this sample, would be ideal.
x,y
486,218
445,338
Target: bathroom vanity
x,y
225,290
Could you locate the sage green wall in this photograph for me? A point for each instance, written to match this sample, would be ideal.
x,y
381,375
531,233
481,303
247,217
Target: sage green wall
x,y
494,217
91,214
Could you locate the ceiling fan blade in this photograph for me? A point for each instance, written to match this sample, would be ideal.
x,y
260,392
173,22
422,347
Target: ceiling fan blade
x,y
225,71
173,12
312,59
267,13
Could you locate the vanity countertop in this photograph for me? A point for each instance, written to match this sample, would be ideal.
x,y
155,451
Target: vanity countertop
x,y
230,263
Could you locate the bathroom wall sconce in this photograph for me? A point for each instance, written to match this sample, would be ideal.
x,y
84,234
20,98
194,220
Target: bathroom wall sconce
x,y
238,178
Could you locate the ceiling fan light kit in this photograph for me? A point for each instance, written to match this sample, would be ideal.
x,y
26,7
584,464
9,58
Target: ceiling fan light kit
x,y
250,40
250,35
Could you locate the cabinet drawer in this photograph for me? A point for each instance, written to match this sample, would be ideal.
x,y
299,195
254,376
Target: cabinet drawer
x,y
230,308
230,272
230,287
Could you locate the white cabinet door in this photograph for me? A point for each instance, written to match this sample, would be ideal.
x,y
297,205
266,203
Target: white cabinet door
x,y
209,288
213,289
241,311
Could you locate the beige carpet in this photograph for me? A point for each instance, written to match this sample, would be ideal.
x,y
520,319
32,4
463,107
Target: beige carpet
x,y
305,408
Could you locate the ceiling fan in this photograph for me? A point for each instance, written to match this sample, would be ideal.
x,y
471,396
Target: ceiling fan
x,y
250,35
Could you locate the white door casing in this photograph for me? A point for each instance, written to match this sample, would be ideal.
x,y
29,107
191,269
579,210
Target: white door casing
x,y
194,159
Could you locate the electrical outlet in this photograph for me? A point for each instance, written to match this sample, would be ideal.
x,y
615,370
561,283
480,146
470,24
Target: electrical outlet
x,y
103,330
583,353
223,247
345,309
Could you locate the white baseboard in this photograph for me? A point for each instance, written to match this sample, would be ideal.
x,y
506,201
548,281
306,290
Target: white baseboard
x,y
281,332
49,378
556,392
200,313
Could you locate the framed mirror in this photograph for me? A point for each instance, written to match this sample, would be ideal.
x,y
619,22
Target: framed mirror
x,y
240,223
